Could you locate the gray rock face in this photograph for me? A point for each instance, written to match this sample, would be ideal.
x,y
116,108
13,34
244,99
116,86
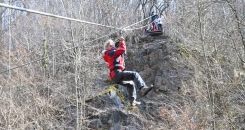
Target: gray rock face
x,y
159,62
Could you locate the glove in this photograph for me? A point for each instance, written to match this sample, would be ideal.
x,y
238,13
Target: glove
x,y
121,39
103,52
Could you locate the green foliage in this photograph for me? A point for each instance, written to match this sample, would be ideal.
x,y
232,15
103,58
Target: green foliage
x,y
121,96
185,52
103,92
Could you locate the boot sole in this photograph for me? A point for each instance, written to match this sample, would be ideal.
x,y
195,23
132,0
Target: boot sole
x,y
147,91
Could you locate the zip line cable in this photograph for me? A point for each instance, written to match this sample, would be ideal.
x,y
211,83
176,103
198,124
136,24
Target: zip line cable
x,y
140,27
59,52
71,19
56,16
135,23
67,18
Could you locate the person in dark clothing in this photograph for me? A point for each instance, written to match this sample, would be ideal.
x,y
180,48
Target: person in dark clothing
x,y
147,32
152,16
115,59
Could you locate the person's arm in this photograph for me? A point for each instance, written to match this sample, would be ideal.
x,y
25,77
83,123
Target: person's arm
x,y
122,47
104,56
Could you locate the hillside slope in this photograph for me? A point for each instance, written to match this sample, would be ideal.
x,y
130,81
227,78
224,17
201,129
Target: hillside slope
x,y
159,62
186,95
183,98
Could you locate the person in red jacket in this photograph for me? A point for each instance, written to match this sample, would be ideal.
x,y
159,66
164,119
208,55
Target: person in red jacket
x,y
115,59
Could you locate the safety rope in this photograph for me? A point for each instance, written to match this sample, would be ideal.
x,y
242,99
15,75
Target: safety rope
x,y
53,54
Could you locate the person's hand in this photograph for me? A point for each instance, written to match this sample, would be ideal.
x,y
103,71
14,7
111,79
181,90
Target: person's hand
x,y
121,39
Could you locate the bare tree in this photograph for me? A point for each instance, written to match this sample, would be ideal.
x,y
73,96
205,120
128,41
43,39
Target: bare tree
x,y
60,63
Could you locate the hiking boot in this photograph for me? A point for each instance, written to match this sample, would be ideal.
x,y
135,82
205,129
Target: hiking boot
x,y
144,90
134,103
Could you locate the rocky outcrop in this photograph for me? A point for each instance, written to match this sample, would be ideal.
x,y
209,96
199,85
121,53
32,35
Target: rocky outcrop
x,y
182,86
159,63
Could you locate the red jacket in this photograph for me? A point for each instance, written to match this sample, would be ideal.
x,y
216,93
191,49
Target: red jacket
x,y
115,58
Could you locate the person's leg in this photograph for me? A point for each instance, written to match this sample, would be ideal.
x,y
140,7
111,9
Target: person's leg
x,y
131,92
134,76
138,81
118,78
156,28
130,88
160,26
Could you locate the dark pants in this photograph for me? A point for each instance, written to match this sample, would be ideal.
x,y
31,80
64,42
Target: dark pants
x,y
123,78
159,26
